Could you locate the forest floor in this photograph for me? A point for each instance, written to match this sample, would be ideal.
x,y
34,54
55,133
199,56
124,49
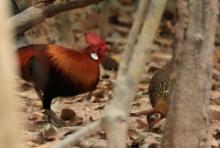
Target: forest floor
x,y
82,111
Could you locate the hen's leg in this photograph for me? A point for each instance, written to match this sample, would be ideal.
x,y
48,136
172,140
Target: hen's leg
x,y
46,101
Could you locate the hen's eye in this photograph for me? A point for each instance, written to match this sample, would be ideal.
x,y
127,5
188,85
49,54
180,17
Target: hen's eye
x,y
154,117
157,115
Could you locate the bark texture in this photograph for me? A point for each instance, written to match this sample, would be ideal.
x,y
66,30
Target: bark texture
x,y
187,124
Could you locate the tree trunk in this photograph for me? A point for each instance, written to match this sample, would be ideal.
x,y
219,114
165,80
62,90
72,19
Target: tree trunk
x,y
187,124
8,102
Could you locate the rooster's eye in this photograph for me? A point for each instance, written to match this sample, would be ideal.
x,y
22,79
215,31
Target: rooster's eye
x,y
94,56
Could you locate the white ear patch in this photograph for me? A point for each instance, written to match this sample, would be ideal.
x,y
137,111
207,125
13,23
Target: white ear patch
x,y
94,56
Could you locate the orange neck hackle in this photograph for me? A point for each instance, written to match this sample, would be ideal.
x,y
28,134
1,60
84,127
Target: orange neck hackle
x,y
67,62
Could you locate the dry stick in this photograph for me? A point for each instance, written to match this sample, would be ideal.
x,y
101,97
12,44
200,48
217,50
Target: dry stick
x,y
115,116
138,21
34,16
8,101
71,140
187,120
92,143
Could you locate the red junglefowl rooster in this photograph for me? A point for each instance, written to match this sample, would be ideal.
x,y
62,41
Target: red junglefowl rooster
x,y
59,71
158,93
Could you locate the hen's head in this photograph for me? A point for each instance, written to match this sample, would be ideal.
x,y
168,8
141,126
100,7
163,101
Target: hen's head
x,y
154,117
97,45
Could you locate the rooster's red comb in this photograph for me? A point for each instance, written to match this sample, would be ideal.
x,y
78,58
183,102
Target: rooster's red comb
x,y
94,39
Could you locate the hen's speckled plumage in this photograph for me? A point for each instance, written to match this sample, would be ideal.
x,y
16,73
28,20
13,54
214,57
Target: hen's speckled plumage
x,y
159,90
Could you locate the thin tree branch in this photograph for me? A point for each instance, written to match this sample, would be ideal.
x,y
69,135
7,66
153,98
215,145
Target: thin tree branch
x,y
138,21
115,116
71,140
93,143
34,16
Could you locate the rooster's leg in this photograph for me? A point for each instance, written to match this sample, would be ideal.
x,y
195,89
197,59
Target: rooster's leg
x,y
87,104
46,101
51,116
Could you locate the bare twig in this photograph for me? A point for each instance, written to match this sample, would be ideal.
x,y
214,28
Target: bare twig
x,y
93,143
71,140
115,116
34,16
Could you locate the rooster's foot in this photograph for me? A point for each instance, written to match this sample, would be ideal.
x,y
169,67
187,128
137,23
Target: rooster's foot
x,y
51,116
